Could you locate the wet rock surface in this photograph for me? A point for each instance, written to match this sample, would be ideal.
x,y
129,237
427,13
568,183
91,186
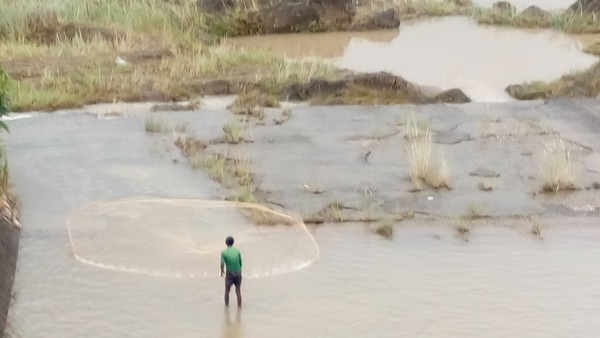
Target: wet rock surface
x,y
588,6
335,14
504,6
383,20
349,155
214,6
454,95
521,92
406,91
288,17
534,12
484,172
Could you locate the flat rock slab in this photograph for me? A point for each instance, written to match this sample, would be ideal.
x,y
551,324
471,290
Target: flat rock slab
x,y
484,172
457,204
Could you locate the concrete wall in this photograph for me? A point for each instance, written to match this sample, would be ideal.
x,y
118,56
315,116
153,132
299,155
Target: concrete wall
x,y
9,249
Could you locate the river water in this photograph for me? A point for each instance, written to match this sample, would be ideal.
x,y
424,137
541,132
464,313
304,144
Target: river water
x,y
442,53
425,282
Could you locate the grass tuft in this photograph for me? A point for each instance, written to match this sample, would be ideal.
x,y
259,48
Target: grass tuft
x,y
234,131
556,168
425,167
155,125
384,228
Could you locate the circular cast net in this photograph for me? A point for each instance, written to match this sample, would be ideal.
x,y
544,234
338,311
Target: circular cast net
x,y
183,238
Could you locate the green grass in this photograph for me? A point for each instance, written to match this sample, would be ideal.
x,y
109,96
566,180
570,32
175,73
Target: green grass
x,y
4,95
567,21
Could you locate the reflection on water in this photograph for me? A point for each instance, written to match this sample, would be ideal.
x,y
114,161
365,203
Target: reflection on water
x,y
232,328
321,45
449,53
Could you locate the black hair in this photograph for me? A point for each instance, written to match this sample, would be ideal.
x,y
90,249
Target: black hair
x,y
229,241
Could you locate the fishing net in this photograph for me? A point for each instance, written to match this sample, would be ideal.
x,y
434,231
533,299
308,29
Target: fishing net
x,y
183,238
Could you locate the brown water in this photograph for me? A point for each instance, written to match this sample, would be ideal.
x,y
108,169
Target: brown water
x,y
443,53
425,282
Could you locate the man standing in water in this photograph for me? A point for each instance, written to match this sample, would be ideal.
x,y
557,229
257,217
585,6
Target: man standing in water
x,y
232,258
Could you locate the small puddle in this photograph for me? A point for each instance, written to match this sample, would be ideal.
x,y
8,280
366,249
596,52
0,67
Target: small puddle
x,y
444,53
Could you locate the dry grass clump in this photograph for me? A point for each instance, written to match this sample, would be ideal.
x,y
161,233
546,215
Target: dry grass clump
x,y
234,131
410,8
242,170
473,211
426,166
568,21
384,228
486,185
462,225
155,125
264,217
214,165
556,168
536,229
190,145
242,194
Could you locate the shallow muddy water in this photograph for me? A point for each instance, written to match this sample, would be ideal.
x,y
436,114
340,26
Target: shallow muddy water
x,y
425,282
443,53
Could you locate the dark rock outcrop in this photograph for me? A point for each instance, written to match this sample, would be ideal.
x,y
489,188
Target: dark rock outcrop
x,y
454,95
534,12
377,83
214,6
315,87
334,14
288,17
504,6
522,92
9,247
382,20
586,6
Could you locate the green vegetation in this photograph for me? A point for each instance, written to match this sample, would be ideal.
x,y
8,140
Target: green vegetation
x,y
567,21
62,54
4,103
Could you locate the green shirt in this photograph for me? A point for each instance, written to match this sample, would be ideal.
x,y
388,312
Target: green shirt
x,y
232,258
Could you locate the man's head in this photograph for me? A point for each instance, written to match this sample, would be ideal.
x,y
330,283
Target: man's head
x,y
229,241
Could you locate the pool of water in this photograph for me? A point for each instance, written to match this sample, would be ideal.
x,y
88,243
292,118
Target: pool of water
x,y
443,53
425,282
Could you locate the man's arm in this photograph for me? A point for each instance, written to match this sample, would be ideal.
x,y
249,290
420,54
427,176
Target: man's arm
x,y
240,260
222,265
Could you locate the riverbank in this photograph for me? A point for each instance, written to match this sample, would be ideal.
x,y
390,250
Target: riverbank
x,y
65,55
